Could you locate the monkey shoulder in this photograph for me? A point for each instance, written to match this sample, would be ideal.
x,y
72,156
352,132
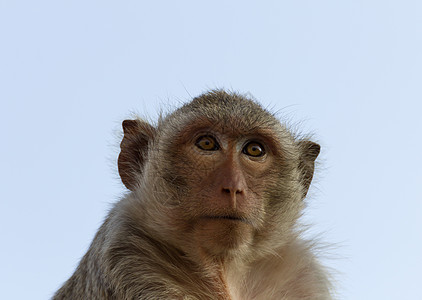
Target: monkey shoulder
x,y
138,265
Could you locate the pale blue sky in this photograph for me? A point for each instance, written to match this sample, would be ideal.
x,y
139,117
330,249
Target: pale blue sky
x,y
350,71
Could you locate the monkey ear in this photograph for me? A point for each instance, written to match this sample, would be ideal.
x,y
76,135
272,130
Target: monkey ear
x,y
309,152
133,148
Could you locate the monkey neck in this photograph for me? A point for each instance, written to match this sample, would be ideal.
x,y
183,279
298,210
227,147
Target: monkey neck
x,y
217,272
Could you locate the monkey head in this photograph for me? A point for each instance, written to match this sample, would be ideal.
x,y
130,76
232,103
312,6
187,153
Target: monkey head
x,y
219,177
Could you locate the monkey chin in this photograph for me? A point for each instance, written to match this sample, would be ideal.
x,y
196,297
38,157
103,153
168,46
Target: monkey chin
x,y
221,236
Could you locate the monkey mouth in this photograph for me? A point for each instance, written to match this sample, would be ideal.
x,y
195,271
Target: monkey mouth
x,y
227,217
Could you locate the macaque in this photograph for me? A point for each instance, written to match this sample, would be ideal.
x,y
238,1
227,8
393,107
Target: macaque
x,y
216,189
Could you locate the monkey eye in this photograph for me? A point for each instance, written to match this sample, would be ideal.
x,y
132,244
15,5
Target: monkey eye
x,y
253,149
207,143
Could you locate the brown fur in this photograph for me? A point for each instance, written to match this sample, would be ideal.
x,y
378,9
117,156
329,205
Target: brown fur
x,y
206,224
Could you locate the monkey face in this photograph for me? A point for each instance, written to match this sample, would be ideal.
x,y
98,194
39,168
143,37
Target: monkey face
x,y
221,177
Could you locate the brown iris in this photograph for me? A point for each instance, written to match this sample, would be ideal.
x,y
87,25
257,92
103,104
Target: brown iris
x,y
207,143
253,149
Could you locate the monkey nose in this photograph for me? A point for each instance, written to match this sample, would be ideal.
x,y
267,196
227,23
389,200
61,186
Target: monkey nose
x,y
232,191
233,196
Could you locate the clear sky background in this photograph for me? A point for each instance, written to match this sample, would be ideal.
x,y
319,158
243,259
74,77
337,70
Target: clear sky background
x,y
350,71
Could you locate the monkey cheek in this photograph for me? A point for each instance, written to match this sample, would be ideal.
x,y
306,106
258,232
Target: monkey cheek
x,y
218,237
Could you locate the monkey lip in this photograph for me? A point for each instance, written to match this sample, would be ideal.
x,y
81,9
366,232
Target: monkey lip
x,y
226,217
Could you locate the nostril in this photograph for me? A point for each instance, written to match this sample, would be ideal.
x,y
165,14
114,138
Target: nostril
x,y
229,191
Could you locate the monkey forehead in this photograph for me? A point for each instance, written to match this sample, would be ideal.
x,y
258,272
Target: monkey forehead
x,y
226,112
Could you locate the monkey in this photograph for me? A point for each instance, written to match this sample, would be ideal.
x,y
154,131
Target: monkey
x,y
215,192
